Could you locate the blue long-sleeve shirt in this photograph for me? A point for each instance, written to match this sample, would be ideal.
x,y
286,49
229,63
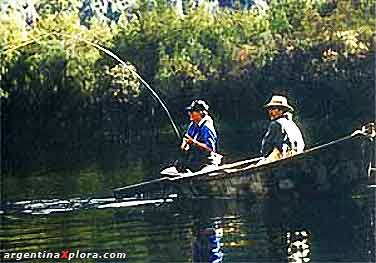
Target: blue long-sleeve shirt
x,y
202,132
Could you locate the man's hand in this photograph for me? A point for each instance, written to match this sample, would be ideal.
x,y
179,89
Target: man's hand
x,y
190,140
184,145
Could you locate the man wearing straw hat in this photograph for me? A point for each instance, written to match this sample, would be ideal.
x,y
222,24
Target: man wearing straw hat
x,y
283,137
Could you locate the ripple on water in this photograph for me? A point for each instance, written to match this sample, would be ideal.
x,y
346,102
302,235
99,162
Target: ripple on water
x,y
168,230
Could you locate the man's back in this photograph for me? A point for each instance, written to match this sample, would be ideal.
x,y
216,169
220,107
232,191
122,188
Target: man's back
x,y
293,134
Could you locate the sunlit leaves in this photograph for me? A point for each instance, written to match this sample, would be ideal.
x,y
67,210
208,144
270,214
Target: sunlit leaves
x,y
168,47
125,84
54,51
352,44
54,7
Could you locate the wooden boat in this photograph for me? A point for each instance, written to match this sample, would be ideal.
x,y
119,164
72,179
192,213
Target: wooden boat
x,y
335,167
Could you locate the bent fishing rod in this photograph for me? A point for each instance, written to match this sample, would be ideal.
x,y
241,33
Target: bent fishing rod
x,y
112,55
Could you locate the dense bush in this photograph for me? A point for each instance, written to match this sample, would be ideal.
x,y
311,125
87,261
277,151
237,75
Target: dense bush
x,y
199,46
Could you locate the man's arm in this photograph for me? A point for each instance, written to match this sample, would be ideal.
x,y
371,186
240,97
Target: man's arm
x,y
208,137
201,145
190,133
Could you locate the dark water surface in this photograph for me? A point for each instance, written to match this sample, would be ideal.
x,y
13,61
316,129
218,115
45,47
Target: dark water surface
x,y
75,210
170,230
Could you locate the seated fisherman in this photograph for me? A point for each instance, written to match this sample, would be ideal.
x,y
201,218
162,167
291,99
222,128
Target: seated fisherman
x,y
200,141
283,137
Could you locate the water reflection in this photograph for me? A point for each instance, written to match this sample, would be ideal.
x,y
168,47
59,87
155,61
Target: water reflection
x,y
207,246
298,246
323,229
45,207
195,230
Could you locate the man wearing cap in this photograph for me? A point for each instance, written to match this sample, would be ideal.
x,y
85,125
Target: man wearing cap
x,y
283,137
200,141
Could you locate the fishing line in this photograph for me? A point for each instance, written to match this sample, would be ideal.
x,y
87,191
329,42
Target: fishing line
x,y
111,54
114,56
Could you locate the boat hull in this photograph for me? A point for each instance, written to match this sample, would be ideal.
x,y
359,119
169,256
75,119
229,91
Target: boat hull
x,y
335,168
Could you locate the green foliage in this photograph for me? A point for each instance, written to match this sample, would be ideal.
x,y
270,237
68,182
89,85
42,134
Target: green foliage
x,y
52,53
199,46
124,82
298,40
55,7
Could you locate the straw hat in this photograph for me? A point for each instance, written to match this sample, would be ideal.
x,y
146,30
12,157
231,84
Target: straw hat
x,y
279,102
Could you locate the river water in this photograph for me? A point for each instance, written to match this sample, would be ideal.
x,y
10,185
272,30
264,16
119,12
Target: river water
x,y
73,212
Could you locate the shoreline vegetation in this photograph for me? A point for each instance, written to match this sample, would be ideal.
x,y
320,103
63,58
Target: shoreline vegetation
x,y
61,97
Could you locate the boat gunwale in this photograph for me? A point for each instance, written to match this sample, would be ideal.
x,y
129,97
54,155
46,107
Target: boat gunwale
x,y
222,174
